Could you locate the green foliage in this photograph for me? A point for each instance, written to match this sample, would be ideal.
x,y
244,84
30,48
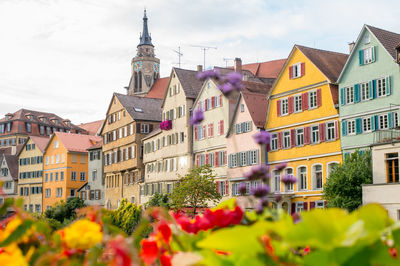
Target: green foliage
x,y
158,200
64,212
343,187
18,233
195,189
126,217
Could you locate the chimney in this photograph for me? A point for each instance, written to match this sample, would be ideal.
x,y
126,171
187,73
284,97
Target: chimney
x,y
199,68
238,65
351,46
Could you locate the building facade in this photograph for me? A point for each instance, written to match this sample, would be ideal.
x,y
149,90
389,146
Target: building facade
x,y
8,176
369,89
303,120
30,183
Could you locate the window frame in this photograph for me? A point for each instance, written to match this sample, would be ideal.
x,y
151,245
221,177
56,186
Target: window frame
x,y
284,106
299,178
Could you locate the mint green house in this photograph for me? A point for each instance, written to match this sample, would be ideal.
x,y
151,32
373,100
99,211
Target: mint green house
x,y
369,90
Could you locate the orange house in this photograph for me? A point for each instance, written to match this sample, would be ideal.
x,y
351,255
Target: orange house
x,y
65,166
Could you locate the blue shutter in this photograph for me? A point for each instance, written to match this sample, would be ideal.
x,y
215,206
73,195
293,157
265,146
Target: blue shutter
x,y
388,86
361,57
372,123
373,53
357,93
390,119
374,89
376,122
342,98
358,126
344,128
370,90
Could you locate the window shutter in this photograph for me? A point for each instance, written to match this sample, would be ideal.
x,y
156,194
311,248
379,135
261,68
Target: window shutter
x,y
278,107
138,128
361,57
224,157
221,127
307,131
304,101
312,205
303,69
390,119
370,90
216,156
217,183
344,128
374,89
279,140
293,137
226,187
337,130
358,126
319,98
213,102
388,86
322,132
195,133
357,93
376,122
342,96
290,72
373,123
220,100
290,103
305,205
207,158
373,53
204,132
293,208
230,161
197,160
150,127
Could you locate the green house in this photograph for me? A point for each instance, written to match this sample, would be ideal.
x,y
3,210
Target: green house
x,y
369,89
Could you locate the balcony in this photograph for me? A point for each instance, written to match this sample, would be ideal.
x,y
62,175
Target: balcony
x,y
386,136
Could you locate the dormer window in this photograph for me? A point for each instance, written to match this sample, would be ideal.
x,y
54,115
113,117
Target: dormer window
x,y
296,70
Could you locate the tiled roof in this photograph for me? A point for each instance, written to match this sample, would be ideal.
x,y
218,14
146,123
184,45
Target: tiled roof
x,y
388,39
92,127
141,108
40,142
269,69
97,145
256,87
155,131
328,62
158,89
12,163
189,81
77,142
257,104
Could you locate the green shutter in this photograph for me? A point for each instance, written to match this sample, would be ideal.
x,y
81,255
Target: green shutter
x,y
344,128
357,93
373,53
376,120
388,86
374,89
370,90
342,98
361,57
390,119
372,123
358,126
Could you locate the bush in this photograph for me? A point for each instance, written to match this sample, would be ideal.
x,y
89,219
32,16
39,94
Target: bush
x,y
64,212
158,200
126,217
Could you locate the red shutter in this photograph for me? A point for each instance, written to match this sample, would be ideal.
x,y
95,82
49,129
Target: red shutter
x,y
195,132
216,156
197,160
290,101
278,108
213,102
290,72
312,205
279,140
220,100
225,155
292,137
207,158
293,209
304,101
226,187
319,98
217,183
336,130
305,205
322,132
325,202
205,131
303,68
221,128
307,135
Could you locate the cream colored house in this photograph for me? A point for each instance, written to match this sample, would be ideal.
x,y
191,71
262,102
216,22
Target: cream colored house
x,y
30,184
167,153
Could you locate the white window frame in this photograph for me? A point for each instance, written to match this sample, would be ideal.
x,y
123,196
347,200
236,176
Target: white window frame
x,y
284,106
289,186
312,99
314,175
349,93
366,126
384,119
299,178
299,137
351,127
367,55
330,128
284,138
276,179
364,91
318,204
381,87
329,168
316,132
299,206
297,103
274,142
296,70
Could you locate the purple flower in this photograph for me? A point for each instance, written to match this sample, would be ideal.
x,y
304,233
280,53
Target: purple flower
x,y
209,74
259,209
257,172
264,201
281,166
289,179
262,137
296,217
234,78
242,189
197,117
260,191
278,197
226,88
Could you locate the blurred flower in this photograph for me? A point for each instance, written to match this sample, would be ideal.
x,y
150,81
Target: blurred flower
x,y
307,250
296,217
12,255
393,252
118,251
209,74
260,191
165,231
166,260
82,234
278,197
12,224
281,166
289,179
257,172
149,251
262,137
226,88
266,240
259,208
264,202
197,117
242,188
234,78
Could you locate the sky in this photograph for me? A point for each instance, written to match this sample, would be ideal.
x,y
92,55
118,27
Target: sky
x,y
68,57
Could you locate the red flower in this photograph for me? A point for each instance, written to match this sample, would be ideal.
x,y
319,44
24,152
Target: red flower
x,y
307,250
149,251
119,252
165,260
165,232
393,252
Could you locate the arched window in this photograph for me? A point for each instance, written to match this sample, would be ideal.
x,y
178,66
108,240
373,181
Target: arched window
x,y
276,181
136,82
302,178
140,81
285,207
330,168
289,171
317,175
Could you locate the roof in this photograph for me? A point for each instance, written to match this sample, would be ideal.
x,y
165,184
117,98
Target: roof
x,y
92,127
328,62
191,85
76,142
97,145
388,39
40,142
158,89
12,163
141,108
268,69
257,104
145,38
256,87
155,131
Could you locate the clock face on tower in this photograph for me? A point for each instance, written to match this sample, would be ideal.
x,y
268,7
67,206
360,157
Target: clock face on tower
x,y
156,67
137,65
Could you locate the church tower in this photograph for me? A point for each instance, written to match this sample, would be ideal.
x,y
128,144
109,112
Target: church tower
x,y
145,66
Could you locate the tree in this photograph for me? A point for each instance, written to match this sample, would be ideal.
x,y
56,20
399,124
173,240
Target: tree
x,y
65,211
343,187
158,200
127,216
195,189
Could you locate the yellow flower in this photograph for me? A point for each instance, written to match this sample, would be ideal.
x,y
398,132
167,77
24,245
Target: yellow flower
x,y
12,255
82,234
11,226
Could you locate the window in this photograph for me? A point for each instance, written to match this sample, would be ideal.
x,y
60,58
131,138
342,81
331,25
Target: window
x,y
243,158
319,204
51,177
276,175
222,188
330,131
29,127
383,121
349,94
253,157
297,70
59,192
300,137
286,139
299,206
331,167
47,193
367,55
284,106
144,128
364,91
61,176
392,167
274,142
314,134
367,39
297,103
94,175
317,176
72,192
46,177
351,127
242,108
82,176
381,87
73,176
56,176
312,99
289,186
302,178
366,124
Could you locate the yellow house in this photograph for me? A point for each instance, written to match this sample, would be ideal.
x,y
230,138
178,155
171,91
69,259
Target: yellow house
x,y
65,166
30,160
303,120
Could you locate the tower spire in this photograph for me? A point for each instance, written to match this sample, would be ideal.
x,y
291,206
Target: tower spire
x,y
145,38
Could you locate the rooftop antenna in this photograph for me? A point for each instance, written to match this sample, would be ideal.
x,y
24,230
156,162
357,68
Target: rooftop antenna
x,y
226,60
204,48
179,55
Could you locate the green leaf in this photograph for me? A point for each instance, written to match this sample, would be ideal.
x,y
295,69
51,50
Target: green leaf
x,y
7,204
18,233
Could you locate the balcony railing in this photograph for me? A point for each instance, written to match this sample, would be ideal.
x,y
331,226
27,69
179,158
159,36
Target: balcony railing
x,y
386,136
